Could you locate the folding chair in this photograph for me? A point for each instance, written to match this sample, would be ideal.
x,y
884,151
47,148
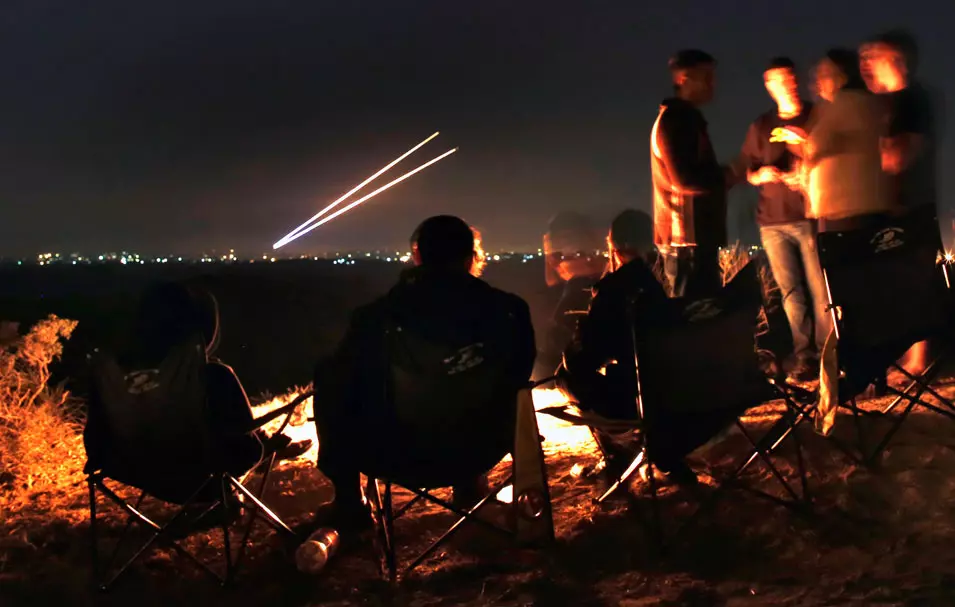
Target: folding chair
x,y
699,358
152,435
886,293
457,416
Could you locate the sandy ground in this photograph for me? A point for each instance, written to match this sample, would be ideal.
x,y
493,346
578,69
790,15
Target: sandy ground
x,y
874,537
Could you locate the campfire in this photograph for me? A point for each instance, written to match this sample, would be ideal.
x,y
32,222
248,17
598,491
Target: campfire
x,y
559,436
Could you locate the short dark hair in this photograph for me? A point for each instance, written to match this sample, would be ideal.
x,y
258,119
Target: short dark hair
x,y
847,60
443,240
632,230
690,58
781,63
901,41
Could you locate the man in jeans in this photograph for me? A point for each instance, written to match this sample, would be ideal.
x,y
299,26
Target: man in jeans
x,y
788,237
689,185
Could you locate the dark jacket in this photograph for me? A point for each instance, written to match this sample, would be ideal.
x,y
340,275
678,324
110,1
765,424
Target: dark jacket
x,y
620,299
439,306
689,186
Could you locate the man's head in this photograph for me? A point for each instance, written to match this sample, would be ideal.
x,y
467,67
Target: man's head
x,y
838,70
631,235
694,75
888,60
445,242
781,83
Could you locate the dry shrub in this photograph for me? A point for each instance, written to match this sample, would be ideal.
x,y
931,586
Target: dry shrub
x,y
732,259
41,448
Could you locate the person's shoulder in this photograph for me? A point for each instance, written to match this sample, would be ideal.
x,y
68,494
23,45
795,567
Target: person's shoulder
x,y
501,299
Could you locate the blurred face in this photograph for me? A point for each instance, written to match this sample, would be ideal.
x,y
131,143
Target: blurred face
x,y
884,68
829,79
782,86
698,84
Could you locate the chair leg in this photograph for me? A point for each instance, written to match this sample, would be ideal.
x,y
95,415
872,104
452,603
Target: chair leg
x,y
224,486
243,546
389,529
94,540
624,477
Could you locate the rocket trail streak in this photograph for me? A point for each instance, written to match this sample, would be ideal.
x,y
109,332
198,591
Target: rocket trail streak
x,y
294,233
354,204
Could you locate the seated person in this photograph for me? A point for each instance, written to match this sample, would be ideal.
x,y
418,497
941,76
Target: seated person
x,y
629,295
603,342
359,426
170,314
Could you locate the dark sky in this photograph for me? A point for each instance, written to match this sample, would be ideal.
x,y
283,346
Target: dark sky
x,y
181,126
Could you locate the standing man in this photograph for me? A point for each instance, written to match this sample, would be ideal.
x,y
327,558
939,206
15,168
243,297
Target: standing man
x,y
909,146
788,237
689,186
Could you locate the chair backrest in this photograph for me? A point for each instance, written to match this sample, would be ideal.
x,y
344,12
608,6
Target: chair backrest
x,y
454,403
700,356
150,422
883,276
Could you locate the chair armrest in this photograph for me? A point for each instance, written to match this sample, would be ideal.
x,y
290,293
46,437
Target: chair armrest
x,y
285,410
591,420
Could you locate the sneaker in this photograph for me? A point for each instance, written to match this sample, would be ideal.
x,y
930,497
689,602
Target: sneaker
x,y
804,372
679,474
284,448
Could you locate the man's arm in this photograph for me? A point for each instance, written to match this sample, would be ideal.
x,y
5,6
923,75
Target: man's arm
x,y
679,142
526,343
906,141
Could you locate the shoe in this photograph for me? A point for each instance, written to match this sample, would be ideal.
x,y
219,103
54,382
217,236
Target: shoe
x,y
804,372
679,474
283,447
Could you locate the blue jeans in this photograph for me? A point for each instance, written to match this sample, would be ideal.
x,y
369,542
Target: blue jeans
x,y
794,261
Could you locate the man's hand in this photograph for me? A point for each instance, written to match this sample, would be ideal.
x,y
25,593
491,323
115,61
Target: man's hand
x,y
763,175
788,134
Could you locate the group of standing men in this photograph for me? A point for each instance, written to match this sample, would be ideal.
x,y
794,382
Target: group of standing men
x,y
867,146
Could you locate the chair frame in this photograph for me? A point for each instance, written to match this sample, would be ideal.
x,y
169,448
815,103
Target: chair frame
x,y
379,493
232,490
763,449
911,394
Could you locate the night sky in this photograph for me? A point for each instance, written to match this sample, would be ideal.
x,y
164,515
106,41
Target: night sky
x,y
187,126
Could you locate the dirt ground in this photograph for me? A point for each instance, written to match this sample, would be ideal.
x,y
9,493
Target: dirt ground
x,y
874,537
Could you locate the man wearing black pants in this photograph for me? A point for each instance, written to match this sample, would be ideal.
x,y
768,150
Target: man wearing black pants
x,y
689,186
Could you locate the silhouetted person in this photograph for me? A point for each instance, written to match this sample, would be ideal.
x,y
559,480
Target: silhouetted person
x,y
788,236
572,263
604,341
689,186
441,302
172,313
909,145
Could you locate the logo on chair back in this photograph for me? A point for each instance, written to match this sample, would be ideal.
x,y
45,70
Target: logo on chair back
x,y
138,382
466,358
887,239
702,310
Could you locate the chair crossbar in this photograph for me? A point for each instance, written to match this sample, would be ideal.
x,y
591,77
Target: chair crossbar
x,y
385,515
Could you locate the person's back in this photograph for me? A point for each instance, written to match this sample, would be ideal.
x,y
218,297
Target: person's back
x,y
846,178
438,327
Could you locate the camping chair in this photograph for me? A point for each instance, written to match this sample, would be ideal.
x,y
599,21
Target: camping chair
x,y
885,293
151,433
454,422
699,358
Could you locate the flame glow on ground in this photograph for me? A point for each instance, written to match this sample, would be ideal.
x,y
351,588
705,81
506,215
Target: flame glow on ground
x,y
559,436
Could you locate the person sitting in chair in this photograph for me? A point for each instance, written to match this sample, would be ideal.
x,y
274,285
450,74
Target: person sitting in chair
x,y
598,365
169,315
438,303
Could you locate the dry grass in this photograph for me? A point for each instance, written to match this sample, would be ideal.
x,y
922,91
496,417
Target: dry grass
x,y
41,450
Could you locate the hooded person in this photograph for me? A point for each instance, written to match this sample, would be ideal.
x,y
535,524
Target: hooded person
x,y
171,313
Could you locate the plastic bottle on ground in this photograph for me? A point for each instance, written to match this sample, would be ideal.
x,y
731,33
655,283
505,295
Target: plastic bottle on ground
x,y
312,556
